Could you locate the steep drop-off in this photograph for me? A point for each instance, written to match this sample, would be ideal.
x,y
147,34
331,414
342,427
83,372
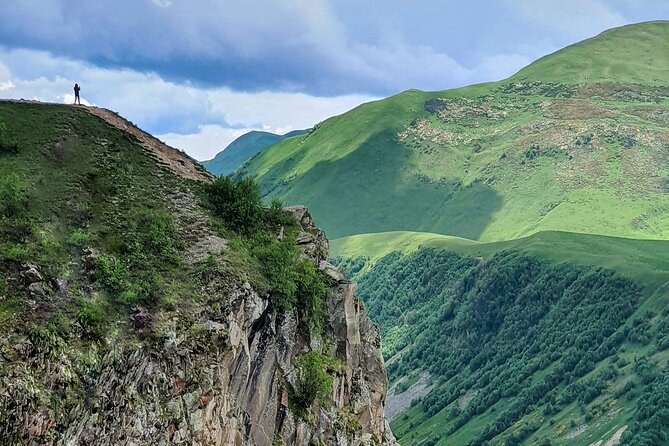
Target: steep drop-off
x,y
132,314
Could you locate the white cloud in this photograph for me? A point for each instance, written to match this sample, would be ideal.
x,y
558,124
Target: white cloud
x,y
207,142
198,120
163,3
292,45
278,110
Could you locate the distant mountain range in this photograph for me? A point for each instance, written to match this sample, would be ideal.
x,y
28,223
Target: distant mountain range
x,y
244,148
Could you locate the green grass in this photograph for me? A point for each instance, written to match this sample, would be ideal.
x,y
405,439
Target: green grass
x,y
646,261
541,151
639,57
83,184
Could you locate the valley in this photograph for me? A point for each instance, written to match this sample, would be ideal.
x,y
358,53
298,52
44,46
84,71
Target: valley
x,y
510,239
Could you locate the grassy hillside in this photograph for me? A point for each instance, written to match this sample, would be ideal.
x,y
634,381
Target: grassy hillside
x,y
646,261
242,149
111,227
500,160
106,253
634,54
513,349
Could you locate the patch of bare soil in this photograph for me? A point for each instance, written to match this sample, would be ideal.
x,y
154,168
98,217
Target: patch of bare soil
x,y
577,109
175,160
398,403
615,440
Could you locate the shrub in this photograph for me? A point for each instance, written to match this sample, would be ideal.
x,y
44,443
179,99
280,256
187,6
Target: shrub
x,y
111,273
93,321
314,381
237,203
533,152
150,237
13,199
311,289
15,223
278,259
45,338
7,146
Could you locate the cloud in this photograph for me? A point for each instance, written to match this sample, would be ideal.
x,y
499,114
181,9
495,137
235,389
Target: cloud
x,y
309,46
201,121
146,98
206,143
289,111
577,19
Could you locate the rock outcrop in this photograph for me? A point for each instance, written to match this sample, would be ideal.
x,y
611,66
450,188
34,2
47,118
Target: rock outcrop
x,y
221,378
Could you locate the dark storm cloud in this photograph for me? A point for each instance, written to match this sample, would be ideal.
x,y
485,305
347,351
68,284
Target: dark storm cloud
x,y
322,47
297,45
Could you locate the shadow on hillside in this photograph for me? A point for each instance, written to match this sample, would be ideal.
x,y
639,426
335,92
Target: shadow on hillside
x,y
373,190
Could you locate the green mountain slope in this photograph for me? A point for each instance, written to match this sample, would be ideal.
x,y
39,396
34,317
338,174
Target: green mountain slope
x,y
534,346
645,261
500,160
243,149
633,54
509,238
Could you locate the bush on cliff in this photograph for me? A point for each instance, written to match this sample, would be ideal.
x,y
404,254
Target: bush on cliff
x,y
294,283
315,372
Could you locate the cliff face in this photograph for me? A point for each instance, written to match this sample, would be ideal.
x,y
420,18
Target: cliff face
x,y
221,381
130,314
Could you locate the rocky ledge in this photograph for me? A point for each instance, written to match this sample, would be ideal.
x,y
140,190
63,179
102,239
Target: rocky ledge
x,y
221,381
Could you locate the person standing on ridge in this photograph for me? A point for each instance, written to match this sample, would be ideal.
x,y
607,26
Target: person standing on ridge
x,y
76,94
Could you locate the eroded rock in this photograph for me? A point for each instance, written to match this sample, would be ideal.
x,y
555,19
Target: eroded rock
x,y
31,274
222,379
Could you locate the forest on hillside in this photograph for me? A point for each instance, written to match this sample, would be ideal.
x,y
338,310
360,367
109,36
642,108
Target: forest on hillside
x,y
525,338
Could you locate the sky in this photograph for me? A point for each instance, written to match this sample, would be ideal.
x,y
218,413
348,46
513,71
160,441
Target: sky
x,y
199,73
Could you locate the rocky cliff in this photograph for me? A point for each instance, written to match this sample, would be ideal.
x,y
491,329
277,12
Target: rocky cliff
x,y
127,317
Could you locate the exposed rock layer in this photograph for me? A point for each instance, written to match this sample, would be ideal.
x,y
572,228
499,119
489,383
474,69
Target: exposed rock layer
x,y
221,381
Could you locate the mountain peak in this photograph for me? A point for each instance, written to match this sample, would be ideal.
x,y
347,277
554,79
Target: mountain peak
x,y
633,54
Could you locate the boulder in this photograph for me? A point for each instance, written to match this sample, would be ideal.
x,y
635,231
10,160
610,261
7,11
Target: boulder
x,y
31,274
37,291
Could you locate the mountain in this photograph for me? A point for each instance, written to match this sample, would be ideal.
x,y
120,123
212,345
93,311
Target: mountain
x,y
244,148
510,240
142,301
527,343
574,142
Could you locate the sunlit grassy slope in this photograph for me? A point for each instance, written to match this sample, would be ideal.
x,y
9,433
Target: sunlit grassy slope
x,y
633,54
563,164
646,261
577,141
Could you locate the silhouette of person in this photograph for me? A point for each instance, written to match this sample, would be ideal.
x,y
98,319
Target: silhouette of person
x,y
76,94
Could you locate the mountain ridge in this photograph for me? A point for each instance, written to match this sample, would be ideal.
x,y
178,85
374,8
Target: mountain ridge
x,y
243,148
488,162
138,305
